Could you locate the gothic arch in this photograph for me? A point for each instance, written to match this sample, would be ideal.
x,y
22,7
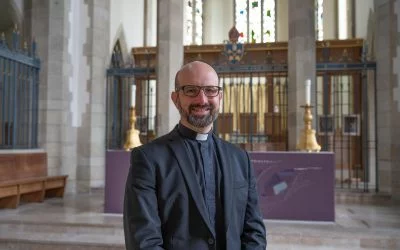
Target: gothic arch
x,y
125,51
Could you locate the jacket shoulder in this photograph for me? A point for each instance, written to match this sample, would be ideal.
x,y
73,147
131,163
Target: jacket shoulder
x,y
156,144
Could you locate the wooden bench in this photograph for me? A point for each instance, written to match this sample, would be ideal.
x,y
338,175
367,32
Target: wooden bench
x,y
23,178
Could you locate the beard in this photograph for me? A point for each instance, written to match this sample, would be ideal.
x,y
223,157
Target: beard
x,y
199,121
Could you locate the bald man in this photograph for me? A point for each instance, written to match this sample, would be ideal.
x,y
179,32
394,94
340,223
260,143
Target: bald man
x,y
189,189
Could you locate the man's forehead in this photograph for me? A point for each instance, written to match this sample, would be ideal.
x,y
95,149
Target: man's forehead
x,y
200,76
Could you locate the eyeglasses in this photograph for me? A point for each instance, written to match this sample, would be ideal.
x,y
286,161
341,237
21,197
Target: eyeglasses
x,y
193,90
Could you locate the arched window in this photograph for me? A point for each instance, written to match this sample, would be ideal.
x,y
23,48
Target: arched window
x,y
255,20
193,25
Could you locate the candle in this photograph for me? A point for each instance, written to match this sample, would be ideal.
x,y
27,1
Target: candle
x,y
133,95
308,92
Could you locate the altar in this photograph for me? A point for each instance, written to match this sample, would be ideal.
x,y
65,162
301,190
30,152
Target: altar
x,y
291,185
295,185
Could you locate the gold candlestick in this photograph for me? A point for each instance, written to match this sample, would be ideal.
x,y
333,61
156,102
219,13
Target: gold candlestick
x,y
132,135
307,141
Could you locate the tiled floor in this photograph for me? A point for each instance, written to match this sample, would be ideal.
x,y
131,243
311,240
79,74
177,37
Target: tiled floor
x,y
79,221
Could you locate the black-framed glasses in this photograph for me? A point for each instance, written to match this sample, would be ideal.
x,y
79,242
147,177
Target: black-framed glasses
x,y
193,90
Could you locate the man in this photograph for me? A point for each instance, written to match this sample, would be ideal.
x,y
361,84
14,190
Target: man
x,y
189,189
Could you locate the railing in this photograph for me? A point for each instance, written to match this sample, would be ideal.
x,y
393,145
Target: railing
x,y
19,87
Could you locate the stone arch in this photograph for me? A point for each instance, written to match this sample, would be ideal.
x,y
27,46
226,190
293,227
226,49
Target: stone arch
x,y
125,51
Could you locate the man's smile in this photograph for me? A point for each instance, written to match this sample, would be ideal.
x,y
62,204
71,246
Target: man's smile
x,y
200,109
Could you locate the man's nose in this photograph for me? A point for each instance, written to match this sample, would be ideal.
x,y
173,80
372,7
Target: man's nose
x,y
201,97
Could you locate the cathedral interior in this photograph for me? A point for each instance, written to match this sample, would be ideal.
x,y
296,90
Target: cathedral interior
x,y
317,77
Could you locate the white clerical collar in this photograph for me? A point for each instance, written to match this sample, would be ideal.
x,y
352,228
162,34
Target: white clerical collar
x,y
201,137
191,134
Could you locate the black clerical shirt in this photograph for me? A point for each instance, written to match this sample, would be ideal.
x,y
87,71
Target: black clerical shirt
x,y
203,155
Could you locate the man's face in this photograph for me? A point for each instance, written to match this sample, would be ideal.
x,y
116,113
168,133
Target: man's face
x,y
202,109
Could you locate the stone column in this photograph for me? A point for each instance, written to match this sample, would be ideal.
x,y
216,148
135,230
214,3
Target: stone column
x,y
282,33
396,101
388,94
169,60
330,19
150,23
345,16
218,19
49,26
91,133
72,43
362,10
301,64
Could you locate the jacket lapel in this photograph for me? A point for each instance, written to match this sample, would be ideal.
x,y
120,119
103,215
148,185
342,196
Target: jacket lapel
x,y
181,155
226,169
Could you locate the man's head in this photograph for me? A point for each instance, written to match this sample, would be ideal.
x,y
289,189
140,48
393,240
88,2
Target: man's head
x,y
197,95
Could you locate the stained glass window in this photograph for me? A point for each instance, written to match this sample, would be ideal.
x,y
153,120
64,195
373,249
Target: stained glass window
x,y
269,21
193,25
319,20
255,20
241,19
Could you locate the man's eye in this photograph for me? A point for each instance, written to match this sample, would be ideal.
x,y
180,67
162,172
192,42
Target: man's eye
x,y
211,90
190,90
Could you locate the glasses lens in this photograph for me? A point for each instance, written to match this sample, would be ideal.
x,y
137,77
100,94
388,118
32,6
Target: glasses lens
x,y
191,90
211,90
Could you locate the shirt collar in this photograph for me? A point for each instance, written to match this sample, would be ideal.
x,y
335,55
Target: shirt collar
x,y
193,135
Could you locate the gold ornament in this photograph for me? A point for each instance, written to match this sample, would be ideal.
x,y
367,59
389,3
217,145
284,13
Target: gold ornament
x,y
132,135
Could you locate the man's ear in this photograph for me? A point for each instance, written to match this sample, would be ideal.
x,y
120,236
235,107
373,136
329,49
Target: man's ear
x,y
174,97
220,95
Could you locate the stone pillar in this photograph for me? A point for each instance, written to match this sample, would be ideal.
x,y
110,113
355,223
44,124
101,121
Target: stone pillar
x,y
396,101
72,39
345,19
330,19
91,133
150,23
49,26
169,61
362,10
388,94
301,64
282,32
218,19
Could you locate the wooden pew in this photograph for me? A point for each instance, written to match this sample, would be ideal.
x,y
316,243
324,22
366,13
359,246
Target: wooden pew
x,y
23,178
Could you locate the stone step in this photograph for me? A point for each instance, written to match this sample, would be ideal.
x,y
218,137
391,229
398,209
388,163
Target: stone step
x,y
28,235
61,228
56,241
330,236
320,241
60,241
